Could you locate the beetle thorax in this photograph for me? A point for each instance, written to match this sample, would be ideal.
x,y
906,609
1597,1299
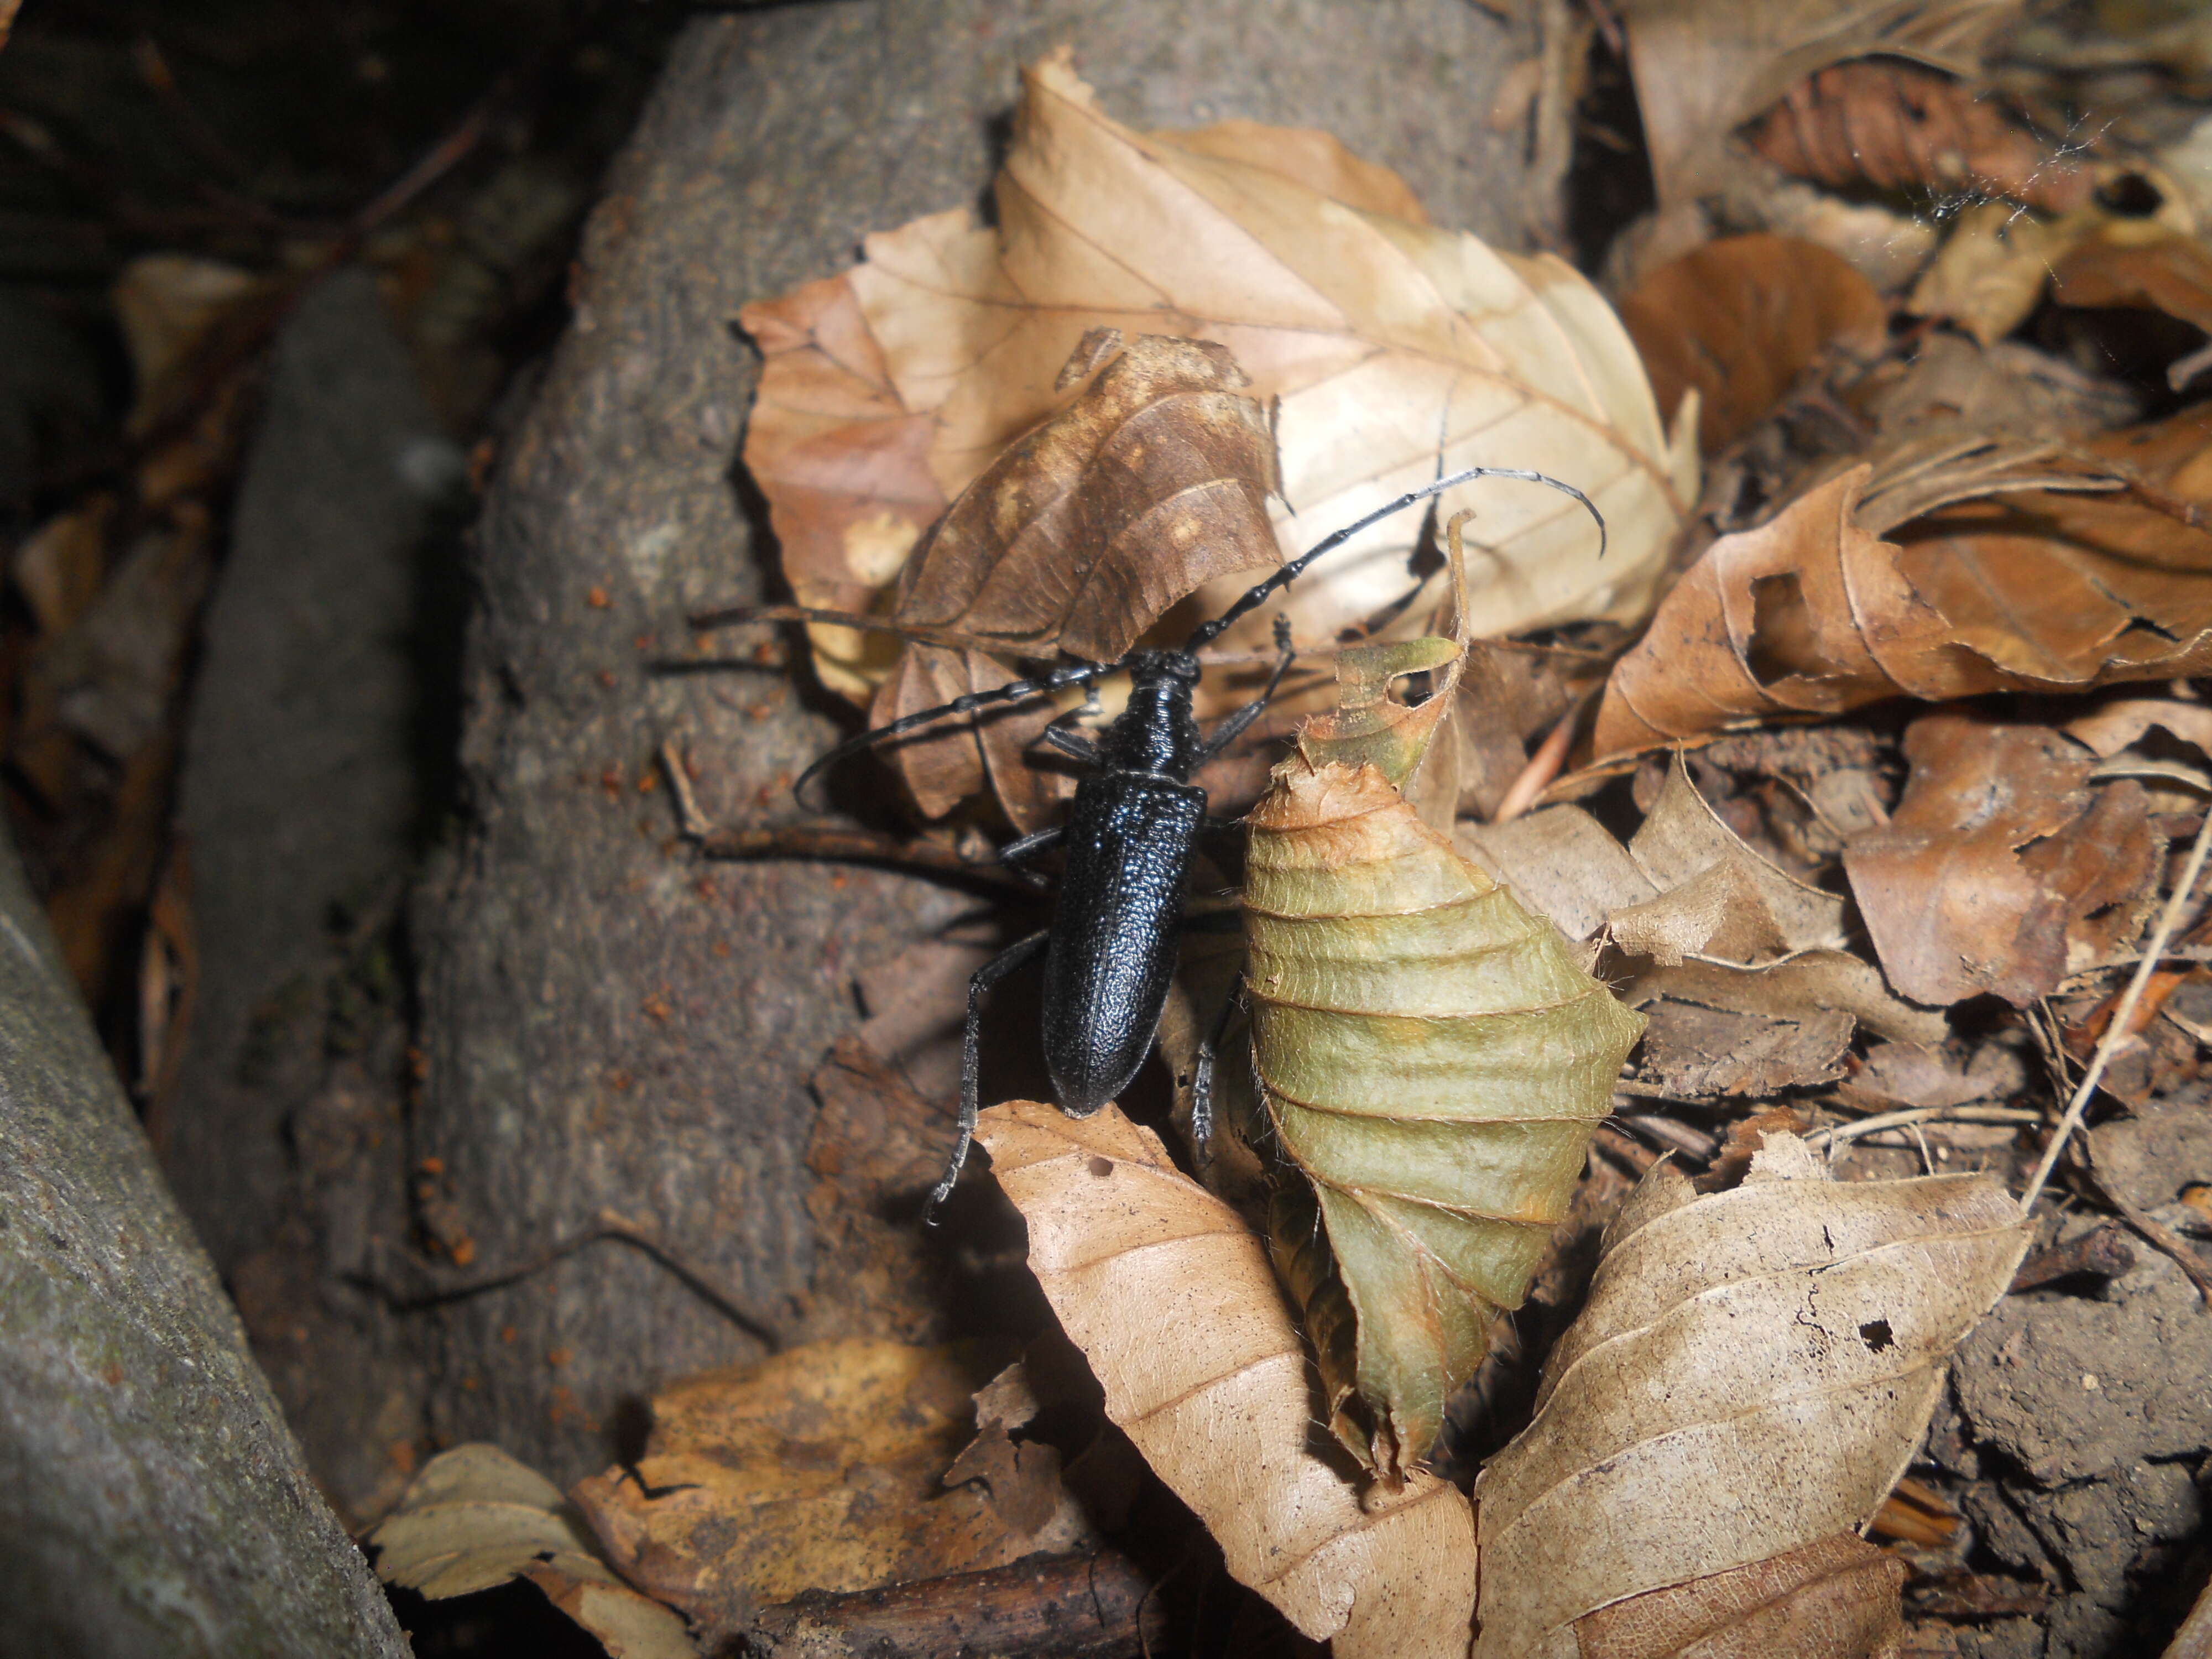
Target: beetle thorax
x,y
1155,732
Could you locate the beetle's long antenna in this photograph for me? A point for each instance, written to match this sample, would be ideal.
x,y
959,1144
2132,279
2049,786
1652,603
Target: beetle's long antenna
x,y
1212,630
1012,691
729,615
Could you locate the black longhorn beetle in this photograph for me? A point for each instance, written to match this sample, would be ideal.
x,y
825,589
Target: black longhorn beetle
x,y
1110,952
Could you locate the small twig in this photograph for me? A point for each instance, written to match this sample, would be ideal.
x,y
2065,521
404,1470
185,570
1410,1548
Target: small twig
x,y
2116,1031
1543,766
1624,1150
2155,1233
1840,1133
1671,1136
738,1308
2101,1253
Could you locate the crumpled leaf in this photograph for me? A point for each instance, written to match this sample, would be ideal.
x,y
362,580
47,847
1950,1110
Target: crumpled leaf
x,y
1155,480
1703,68
1689,1051
2001,870
2033,589
1895,125
1433,1060
1740,319
1749,1377
1130,1252
475,1518
819,1469
1395,351
1693,913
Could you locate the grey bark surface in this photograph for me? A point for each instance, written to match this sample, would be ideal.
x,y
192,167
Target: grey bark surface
x,y
152,1502
608,1024
301,804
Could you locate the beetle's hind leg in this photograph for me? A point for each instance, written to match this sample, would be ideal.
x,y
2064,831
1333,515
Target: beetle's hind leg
x,y
1015,853
971,1059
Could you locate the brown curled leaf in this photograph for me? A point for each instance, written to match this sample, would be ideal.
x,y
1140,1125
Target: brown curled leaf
x,y
1704,67
1740,319
1170,1298
1749,1376
1896,125
2001,869
1988,585
1432,1061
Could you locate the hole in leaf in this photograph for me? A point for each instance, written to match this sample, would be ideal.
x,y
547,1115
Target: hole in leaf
x,y
1876,1334
1102,1167
1782,640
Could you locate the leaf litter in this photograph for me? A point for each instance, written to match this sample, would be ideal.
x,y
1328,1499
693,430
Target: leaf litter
x,y
1943,561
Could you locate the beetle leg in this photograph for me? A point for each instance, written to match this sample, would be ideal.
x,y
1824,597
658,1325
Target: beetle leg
x,y
1234,727
1201,1080
1016,853
971,1058
1071,741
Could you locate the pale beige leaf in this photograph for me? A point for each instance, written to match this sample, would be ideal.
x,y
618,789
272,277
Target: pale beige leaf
x,y
475,1517
1170,1298
1750,1375
1395,349
1992,269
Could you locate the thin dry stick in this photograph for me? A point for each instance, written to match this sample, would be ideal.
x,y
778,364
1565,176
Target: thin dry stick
x,y
2123,1016
1838,1134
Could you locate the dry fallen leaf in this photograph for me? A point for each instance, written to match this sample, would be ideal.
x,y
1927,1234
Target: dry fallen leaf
x,y
1690,1051
2001,870
2037,589
1129,1249
1835,1599
2138,262
475,1518
1432,1061
1394,349
1740,319
1749,1376
820,1468
1894,126
1703,68
1692,912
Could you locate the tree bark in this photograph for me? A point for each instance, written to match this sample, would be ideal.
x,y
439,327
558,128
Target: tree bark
x,y
610,1024
152,1501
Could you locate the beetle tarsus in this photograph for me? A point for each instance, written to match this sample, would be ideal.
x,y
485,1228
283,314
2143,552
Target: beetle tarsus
x,y
971,1061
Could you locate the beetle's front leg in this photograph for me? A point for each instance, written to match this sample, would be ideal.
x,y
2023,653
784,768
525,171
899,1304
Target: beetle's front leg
x,y
971,1059
1014,853
1234,727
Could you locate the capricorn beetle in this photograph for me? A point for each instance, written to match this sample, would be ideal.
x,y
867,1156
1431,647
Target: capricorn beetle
x,y
1110,952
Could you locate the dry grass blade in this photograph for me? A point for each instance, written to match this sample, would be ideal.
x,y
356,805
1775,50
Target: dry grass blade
x,y
1749,1376
1170,1295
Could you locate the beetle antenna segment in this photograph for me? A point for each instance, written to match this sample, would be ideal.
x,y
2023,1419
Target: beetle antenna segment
x,y
730,615
1207,633
1012,691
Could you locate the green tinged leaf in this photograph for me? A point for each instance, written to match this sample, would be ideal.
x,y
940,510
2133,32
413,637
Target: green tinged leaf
x,y
1432,1063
